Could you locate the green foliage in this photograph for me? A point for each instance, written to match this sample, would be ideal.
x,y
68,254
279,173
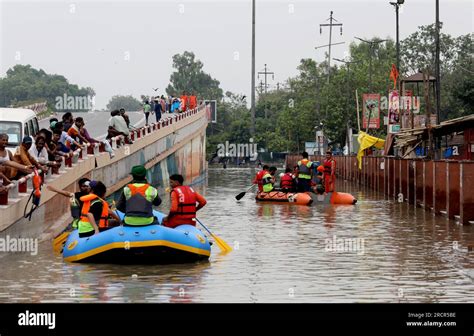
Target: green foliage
x,y
25,83
129,103
190,77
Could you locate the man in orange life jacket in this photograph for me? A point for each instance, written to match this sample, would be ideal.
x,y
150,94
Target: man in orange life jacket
x,y
329,172
259,177
184,102
183,203
287,181
95,212
137,200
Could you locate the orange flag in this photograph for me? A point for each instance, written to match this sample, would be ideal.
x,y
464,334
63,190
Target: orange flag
x,y
394,76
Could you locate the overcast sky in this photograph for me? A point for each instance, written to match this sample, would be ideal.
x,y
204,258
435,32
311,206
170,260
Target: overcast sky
x,y
126,47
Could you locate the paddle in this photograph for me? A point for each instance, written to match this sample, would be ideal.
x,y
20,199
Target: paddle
x,y
221,243
242,194
59,241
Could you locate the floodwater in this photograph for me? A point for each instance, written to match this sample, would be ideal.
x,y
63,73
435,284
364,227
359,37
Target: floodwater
x,y
375,251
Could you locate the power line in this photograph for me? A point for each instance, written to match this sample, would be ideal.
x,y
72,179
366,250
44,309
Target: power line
x,y
330,25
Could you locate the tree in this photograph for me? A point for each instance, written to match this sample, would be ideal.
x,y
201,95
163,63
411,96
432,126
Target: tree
x,y
129,103
25,83
190,77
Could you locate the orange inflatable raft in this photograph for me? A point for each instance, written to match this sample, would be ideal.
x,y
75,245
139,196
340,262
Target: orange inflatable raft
x,y
334,198
279,196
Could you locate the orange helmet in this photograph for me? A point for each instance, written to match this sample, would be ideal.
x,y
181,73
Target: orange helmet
x,y
321,169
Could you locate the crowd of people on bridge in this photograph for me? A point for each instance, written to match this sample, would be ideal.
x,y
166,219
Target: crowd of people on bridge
x,y
172,104
305,176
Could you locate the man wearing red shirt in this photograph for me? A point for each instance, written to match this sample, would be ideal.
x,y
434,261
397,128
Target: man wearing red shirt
x,y
259,176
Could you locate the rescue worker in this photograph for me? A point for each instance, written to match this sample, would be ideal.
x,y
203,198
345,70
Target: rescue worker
x,y
268,180
183,203
304,173
259,176
192,101
137,200
329,172
75,200
95,212
287,181
184,102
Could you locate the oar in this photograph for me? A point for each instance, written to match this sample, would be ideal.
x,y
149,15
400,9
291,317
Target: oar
x,y
60,240
242,194
220,242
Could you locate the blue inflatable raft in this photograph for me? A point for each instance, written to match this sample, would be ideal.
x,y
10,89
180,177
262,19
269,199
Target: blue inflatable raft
x,y
151,244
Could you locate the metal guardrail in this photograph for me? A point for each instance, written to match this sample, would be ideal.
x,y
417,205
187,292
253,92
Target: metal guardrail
x,y
21,186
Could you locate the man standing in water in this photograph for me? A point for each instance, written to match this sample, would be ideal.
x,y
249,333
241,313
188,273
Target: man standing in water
x,y
329,172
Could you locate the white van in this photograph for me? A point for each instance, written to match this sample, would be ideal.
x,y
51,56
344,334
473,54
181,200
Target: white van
x,y
18,123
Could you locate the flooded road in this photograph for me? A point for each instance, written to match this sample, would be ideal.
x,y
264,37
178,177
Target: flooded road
x,y
376,251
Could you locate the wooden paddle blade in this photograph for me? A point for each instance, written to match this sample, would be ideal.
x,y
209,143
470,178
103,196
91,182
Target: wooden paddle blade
x,y
222,244
239,196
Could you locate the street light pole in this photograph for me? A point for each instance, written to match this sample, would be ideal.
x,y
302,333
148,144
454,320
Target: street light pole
x,y
252,92
397,6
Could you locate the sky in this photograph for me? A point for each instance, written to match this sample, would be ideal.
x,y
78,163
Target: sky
x,y
126,47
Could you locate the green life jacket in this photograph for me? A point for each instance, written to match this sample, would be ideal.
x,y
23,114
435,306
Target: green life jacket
x,y
304,169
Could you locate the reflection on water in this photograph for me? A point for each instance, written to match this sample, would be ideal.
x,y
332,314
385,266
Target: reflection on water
x,y
281,254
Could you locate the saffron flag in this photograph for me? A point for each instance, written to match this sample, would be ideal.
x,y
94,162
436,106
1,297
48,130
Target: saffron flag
x,y
394,76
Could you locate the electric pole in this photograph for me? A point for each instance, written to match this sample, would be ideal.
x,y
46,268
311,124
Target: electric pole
x,y
266,73
371,44
252,93
330,25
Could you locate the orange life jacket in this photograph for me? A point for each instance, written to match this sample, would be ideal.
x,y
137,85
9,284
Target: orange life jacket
x,y
138,190
186,204
328,166
87,200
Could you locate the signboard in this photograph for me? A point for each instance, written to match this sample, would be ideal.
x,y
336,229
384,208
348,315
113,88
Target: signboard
x,y
211,109
393,111
371,104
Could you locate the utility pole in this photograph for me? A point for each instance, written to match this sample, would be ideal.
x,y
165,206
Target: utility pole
x,y
330,25
266,73
252,93
371,47
397,6
348,65
438,77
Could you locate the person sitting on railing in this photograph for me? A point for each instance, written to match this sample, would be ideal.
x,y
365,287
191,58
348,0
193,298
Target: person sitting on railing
x,y
92,141
38,150
125,117
68,121
6,159
22,156
65,139
117,125
75,131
